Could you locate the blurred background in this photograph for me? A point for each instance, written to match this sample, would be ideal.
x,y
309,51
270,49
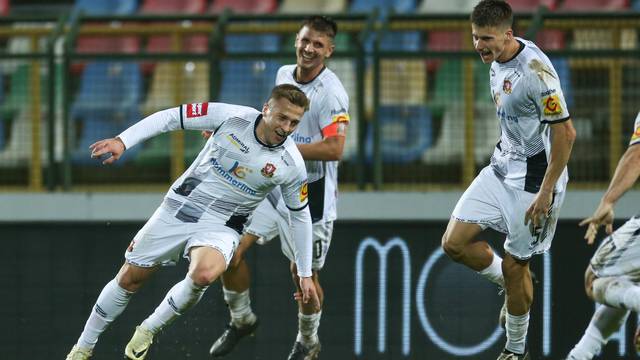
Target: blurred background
x,y
422,126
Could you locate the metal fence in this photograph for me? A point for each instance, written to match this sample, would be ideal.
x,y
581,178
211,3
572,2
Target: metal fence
x,y
421,112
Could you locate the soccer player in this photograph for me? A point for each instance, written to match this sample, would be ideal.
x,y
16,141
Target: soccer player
x,y
521,191
613,275
320,139
204,212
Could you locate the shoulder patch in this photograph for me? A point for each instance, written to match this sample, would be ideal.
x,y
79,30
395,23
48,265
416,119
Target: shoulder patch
x,y
551,105
197,109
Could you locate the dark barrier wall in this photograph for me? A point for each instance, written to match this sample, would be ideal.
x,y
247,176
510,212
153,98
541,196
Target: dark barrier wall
x,y
390,294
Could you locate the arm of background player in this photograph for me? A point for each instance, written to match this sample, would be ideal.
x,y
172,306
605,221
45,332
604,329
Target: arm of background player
x,y
623,179
562,137
330,148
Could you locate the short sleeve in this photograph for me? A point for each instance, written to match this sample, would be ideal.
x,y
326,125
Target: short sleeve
x,y
635,137
295,191
546,92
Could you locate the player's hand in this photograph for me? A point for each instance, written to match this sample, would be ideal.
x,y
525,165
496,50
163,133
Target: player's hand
x,y
602,216
308,293
206,134
114,147
539,210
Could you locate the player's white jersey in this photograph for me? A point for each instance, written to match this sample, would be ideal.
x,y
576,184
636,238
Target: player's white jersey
x,y
528,97
329,103
234,171
635,137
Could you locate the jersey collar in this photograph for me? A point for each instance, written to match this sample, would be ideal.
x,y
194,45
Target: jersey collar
x,y
521,44
255,134
295,77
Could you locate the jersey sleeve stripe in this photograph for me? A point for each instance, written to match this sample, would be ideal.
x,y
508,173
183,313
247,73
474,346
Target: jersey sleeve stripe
x,y
181,120
298,209
556,121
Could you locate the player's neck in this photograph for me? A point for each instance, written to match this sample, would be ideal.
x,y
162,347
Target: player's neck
x,y
307,75
510,51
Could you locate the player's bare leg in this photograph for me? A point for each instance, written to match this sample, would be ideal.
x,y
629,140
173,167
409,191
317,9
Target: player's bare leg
x,y
519,288
207,264
307,344
235,286
112,301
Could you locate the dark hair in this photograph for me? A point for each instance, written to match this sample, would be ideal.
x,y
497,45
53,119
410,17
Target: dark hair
x,y
321,24
492,13
291,93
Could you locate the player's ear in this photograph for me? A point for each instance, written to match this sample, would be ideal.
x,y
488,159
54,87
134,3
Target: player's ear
x,y
265,108
332,47
509,34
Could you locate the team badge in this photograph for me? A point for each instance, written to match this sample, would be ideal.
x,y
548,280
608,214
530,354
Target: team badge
x,y
304,192
268,170
551,105
197,109
506,86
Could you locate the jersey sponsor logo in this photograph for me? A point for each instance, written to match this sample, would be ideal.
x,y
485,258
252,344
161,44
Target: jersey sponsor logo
x,y
636,134
506,117
197,109
238,143
338,118
268,170
551,105
304,192
548,92
299,139
239,171
507,86
231,180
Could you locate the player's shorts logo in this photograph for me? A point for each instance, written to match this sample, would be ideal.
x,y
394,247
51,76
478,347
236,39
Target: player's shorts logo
x,y
551,105
268,170
506,87
197,109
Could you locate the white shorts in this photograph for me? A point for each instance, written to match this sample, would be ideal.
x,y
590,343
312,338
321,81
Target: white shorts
x,y
619,253
268,222
489,202
164,238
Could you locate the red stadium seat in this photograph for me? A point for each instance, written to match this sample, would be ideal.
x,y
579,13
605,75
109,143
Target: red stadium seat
x,y
594,5
244,6
173,7
532,5
4,7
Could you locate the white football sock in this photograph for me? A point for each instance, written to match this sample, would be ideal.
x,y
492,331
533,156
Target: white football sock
x,y
179,299
517,326
617,292
308,328
605,321
239,307
112,301
493,272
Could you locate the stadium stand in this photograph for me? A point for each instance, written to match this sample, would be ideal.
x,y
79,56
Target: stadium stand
x,y
4,7
312,7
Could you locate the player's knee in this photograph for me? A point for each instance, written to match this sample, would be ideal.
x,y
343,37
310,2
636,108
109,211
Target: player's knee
x,y
451,248
205,275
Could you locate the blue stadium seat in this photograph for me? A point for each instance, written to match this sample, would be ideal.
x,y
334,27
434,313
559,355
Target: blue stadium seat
x,y
407,40
106,7
106,104
406,132
247,82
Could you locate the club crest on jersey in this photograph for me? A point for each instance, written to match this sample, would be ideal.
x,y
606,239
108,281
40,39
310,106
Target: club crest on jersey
x,y
268,170
506,86
551,105
197,109
304,192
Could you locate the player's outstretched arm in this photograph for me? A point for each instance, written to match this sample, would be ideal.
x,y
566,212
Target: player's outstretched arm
x,y
114,146
626,174
562,137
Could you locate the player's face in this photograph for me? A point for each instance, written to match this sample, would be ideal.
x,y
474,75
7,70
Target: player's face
x,y
281,118
490,42
312,47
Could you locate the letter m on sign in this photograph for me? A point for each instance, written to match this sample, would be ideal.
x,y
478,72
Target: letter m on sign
x,y
197,109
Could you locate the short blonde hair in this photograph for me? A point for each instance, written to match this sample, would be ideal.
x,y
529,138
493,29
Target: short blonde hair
x,y
291,93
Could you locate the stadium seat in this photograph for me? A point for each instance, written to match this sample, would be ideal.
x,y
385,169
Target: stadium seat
x,y
532,5
244,6
17,150
164,93
313,7
594,5
247,82
599,38
405,133
447,7
107,102
106,7
4,7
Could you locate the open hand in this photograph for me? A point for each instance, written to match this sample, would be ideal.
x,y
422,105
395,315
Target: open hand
x,y
114,146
